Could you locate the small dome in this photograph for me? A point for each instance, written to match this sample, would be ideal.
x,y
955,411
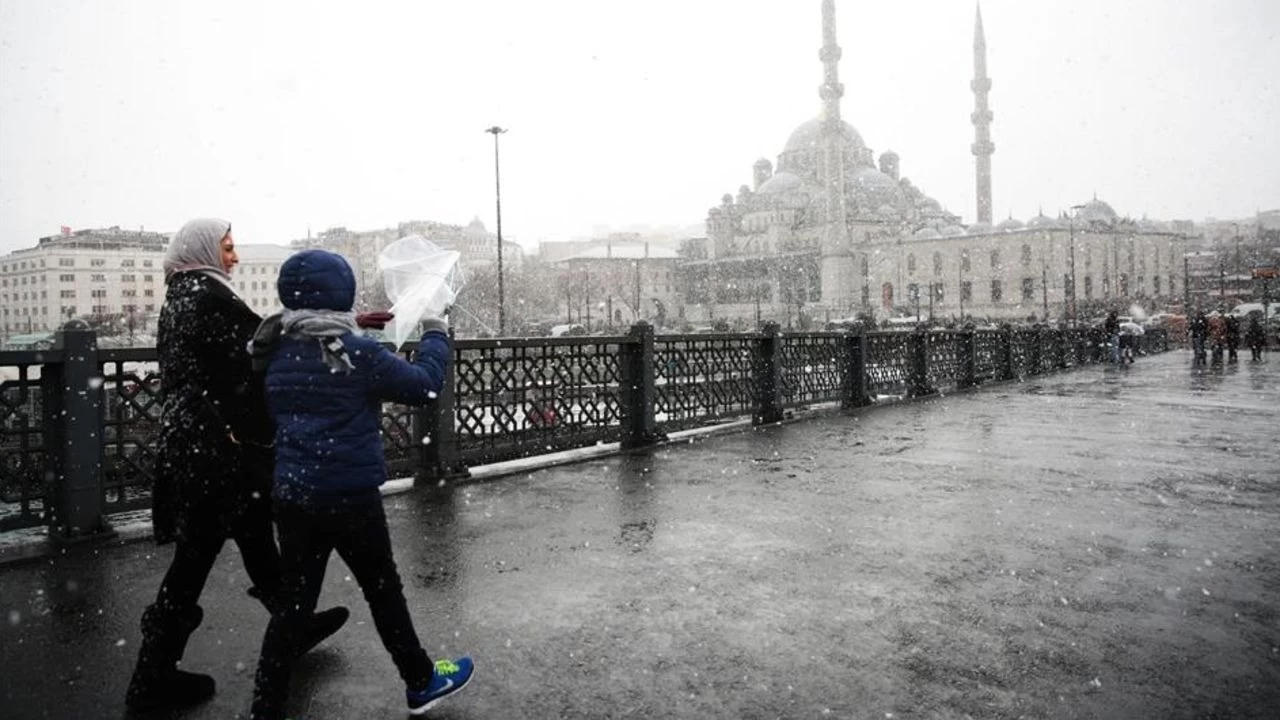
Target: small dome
x,y
979,228
1043,222
781,182
1097,211
872,188
927,234
1009,224
887,211
1146,225
952,231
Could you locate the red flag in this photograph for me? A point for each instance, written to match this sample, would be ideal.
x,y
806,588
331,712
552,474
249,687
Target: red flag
x,y
66,229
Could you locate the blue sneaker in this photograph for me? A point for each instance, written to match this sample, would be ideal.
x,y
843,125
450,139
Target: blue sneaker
x,y
450,677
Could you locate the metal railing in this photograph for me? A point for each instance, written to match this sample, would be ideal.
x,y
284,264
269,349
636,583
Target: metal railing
x,y
79,425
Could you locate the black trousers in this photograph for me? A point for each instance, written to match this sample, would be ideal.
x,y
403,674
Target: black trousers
x,y
307,537
194,557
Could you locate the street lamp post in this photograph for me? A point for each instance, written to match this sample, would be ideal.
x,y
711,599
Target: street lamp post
x,y
497,186
1071,229
1236,281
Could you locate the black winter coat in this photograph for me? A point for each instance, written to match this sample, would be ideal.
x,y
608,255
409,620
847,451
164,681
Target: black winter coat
x,y
213,471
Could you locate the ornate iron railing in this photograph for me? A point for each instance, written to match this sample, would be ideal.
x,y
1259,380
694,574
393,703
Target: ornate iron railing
x,y
24,440
702,378
888,365
505,399
811,368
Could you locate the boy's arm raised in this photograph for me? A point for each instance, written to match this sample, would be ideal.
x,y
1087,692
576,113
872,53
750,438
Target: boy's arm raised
x,y
418,381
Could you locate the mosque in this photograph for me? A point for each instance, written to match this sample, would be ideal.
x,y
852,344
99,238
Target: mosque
x,y
828,233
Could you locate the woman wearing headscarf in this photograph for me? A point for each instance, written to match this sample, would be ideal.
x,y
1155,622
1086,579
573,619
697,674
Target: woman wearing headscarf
x,y
213,469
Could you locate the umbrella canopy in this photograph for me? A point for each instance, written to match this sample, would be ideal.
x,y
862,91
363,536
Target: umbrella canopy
x,y
421,279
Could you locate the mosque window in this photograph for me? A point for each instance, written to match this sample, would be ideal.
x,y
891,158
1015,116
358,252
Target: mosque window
x,y
1028,289
995,259
1155,285
1088,287
1026,254
937,263
997,291
911,263
1088,256
866,295
865,270
886,296
964,260
966,291
1124,285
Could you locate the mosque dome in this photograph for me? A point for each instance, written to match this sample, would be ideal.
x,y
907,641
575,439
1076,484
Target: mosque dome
x,y
1097,211
806,136
1009,224
979,228
781,182
927,234
952,231
475,228
872,188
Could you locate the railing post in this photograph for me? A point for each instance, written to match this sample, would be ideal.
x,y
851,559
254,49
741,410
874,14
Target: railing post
x,y
433,428
1036,351
967,355
1060,344
72,399
853,376
768,375
1004,353
919,363
639,389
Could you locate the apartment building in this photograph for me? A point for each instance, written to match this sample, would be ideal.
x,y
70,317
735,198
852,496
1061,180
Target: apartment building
x,y
111,277
100,273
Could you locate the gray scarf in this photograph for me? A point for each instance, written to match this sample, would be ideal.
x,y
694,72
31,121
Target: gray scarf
x,y
325,326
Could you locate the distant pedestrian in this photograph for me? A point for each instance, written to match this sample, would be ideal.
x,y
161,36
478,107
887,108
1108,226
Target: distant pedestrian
x,y
1232,337
1129,334
1112,329
325,385
213,470
1199,330
1217,337
1256,337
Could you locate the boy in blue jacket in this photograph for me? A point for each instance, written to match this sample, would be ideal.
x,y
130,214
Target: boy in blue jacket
x,y
325,386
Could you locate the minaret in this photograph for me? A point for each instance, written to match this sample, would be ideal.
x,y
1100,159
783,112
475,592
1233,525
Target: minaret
x,y
837,264
982,145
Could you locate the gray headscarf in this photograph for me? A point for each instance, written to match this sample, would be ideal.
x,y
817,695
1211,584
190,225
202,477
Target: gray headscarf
x,y
198,246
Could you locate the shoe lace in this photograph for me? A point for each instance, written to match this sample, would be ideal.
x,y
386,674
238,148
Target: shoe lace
x,y
446,667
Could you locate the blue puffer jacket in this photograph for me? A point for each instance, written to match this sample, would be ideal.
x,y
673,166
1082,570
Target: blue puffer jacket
x,y
328,436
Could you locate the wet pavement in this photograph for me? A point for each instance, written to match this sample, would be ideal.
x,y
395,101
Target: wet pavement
x,y
1103,543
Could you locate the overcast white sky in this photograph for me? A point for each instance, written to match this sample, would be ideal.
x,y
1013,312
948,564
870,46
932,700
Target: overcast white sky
x,y
286,115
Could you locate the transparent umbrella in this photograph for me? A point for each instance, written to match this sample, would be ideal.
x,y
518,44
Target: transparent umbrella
x,y
421,279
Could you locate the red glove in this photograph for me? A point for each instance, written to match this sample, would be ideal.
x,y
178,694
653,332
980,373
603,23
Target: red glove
x,y
374,320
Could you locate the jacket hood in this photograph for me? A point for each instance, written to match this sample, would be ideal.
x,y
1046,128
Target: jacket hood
x,y
316,280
